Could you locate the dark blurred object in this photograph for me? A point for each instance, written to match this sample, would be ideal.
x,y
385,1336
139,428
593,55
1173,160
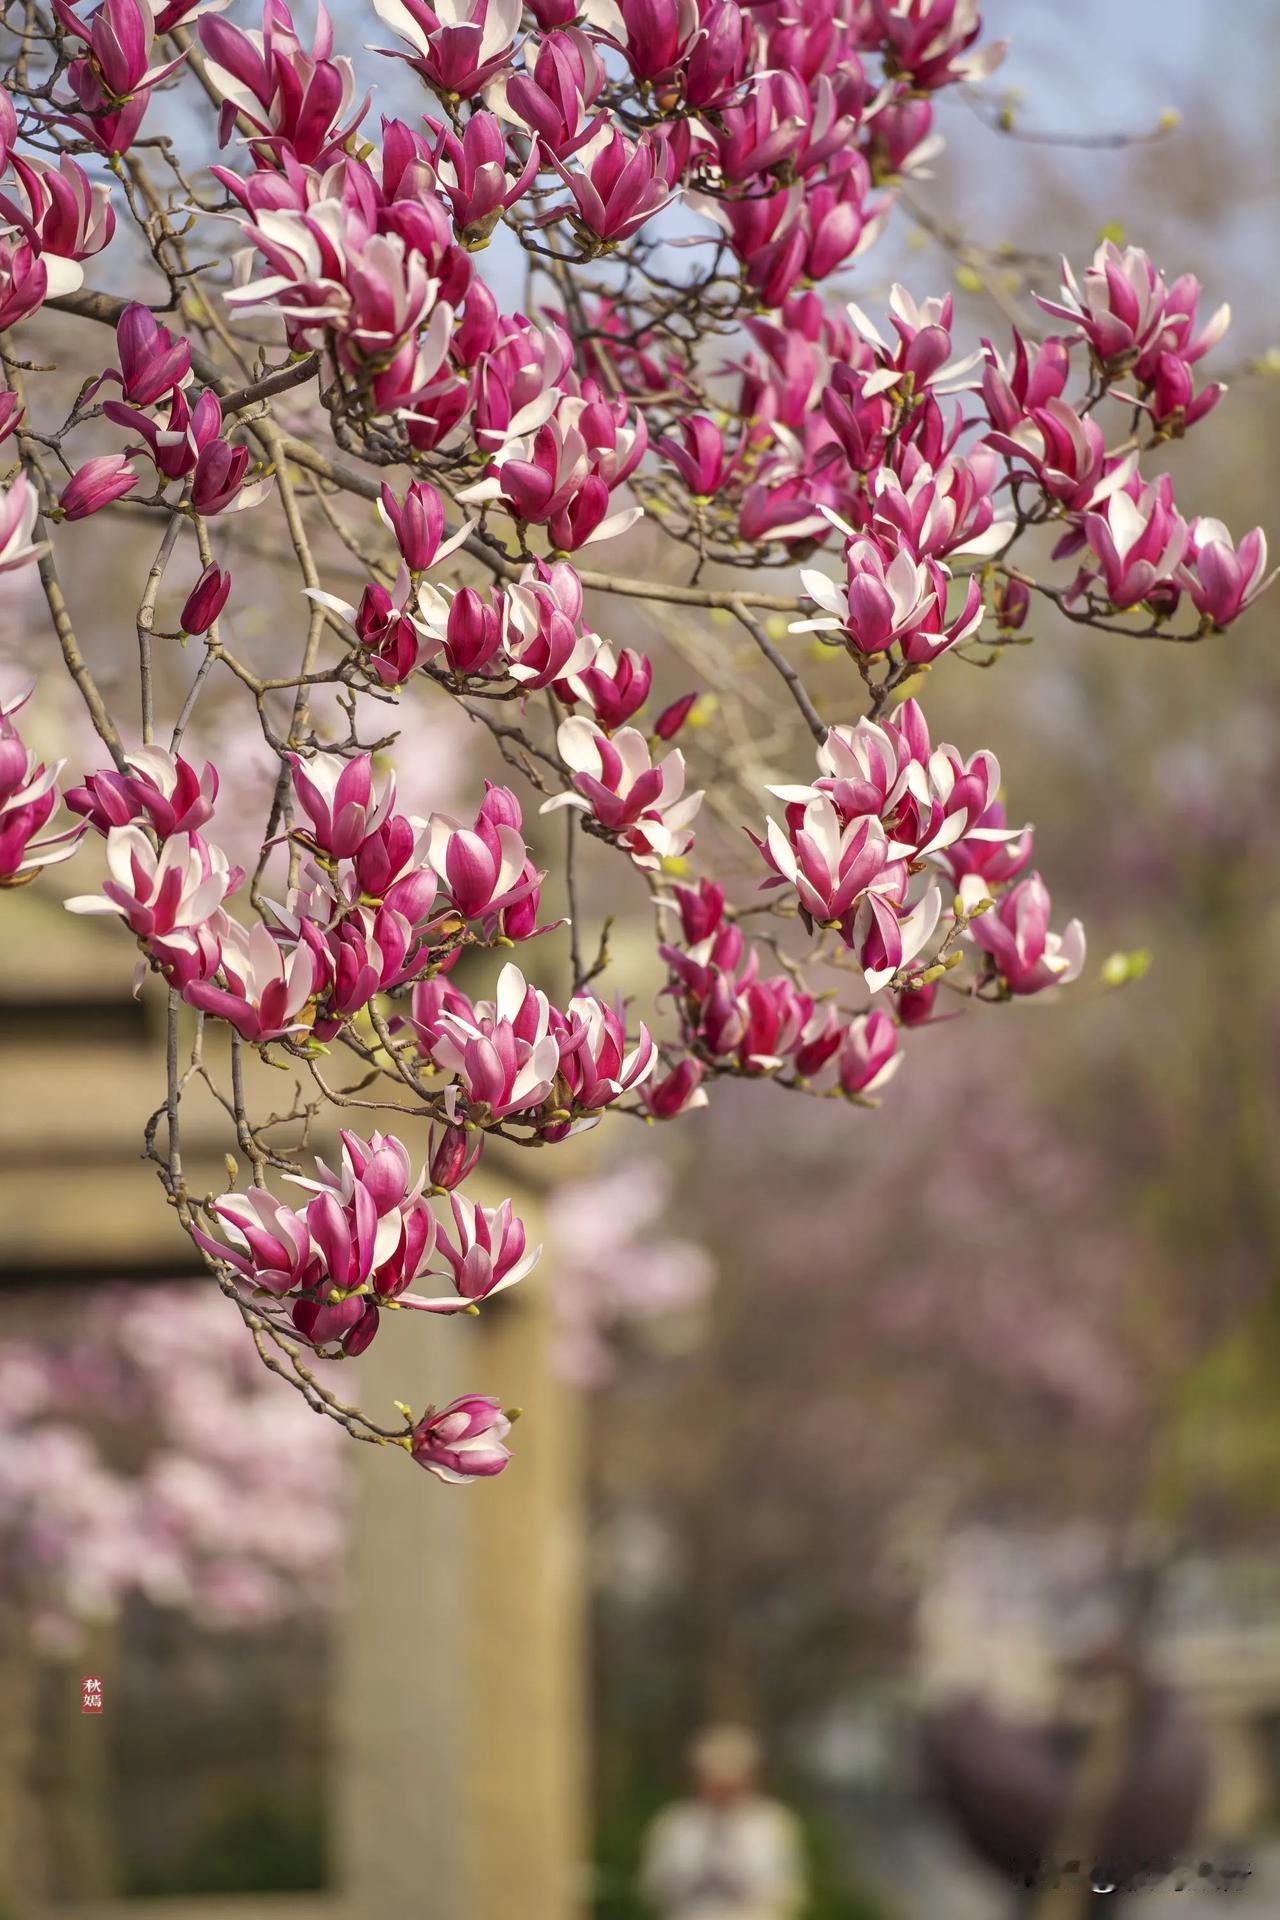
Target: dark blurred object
x,y
1008,1788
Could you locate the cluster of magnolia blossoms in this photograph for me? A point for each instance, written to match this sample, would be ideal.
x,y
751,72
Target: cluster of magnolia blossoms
x,y
877,437
885,807
779,132
367,1235
769,122
382,900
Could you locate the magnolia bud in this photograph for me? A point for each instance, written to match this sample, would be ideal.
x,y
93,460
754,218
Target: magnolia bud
x,y
205,601
672,718
453,1157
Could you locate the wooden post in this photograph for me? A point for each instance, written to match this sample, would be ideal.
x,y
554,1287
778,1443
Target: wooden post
x,y
462,1715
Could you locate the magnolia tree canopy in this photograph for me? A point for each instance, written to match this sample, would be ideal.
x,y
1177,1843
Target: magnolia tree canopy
x,y
679,178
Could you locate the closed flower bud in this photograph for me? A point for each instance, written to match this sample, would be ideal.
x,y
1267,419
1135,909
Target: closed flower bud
x,y
206,600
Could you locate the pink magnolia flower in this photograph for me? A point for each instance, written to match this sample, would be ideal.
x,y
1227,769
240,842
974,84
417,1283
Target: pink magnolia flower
x,y
1067,454
644,806
472,172
758,133
175,445
374,1234
891,598
11,413
430,1001
618,184
700,457
369,951
849,875
679,1091
596,1066
928,41
520,381
300,100
1026,955
1031,378
1140,540
96,484
914,1005
452,1157
654,35
340,800
417,525
390,867
928,799
19,511
161,789
1173,402
553,98
335,275
719,59
389,635
901,142
218,481
869,1055
153,361
113,80
989,856
840,222
936,512
542,633
266,988
672,718
770,236
166,895
486,1253
562,476
483,866
819,1041
1011,603
614,689
830,864
463,1441
64,215
762,1023
1178,335
503,1052
468,628
28,796
1119,309
270,1243
1221,578
920,360
458,46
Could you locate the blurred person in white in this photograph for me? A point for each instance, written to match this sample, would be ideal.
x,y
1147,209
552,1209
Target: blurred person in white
x,y
727,1853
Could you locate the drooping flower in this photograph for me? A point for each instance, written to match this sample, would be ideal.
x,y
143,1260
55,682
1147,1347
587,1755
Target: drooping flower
x,y
463,1441
96,484
160,788
1024,952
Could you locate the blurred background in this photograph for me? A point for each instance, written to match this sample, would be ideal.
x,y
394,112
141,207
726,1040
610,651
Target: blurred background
x,y
925,1442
